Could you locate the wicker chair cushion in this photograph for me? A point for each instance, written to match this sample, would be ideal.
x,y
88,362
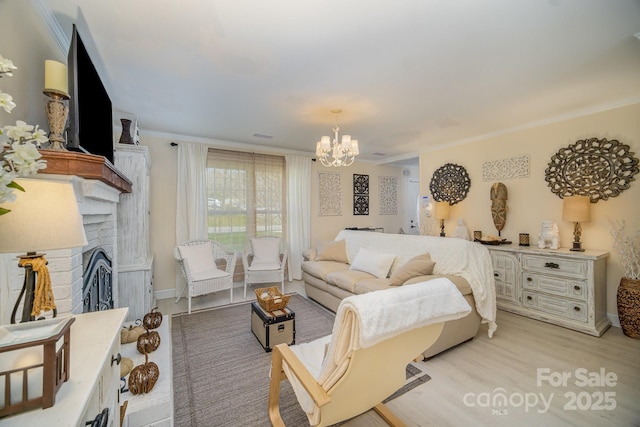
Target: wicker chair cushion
x,y
208,274
266,250
264,266
199,257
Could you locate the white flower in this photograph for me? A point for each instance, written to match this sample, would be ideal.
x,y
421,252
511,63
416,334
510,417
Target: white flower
x,y
20,132
6,65
6,102
19,155
6,178
24,158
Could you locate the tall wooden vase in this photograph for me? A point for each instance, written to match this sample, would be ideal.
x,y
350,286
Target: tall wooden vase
x,y
629,307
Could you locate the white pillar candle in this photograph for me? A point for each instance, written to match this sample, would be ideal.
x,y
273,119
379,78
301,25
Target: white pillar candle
x,y
55,77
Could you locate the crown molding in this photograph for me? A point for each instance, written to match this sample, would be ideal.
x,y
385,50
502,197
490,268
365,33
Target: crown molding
x,y
47,16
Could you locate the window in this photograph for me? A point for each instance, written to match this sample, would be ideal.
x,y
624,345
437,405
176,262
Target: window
x,y
245,196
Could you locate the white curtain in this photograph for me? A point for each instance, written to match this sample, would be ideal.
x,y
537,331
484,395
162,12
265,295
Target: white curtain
x,y
191,209
299,211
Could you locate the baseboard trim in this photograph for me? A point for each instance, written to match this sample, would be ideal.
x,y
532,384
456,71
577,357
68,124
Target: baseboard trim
x,y
165,294
615,321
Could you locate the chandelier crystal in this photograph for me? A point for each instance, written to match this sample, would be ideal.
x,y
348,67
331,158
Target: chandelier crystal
x,y
337,152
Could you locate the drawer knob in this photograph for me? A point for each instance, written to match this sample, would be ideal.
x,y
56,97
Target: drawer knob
x,y
551,265
529,279
529,297
496,275
576,308
116,359
576,287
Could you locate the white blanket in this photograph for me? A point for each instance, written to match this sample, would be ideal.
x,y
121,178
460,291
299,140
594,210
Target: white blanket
x,y
452,256
367,319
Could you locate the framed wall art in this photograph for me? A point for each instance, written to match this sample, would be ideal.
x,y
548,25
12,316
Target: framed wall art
x,y
360,194
388,187
330,194
450,183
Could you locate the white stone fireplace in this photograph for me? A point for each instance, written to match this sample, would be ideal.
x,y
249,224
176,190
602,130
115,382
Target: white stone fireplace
x,y
97,202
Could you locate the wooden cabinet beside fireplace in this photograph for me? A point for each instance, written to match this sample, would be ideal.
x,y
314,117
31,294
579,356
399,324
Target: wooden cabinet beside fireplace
x,y
135,261
557,286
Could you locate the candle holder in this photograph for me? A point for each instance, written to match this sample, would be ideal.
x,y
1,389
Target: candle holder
x,y
34,363
477,236
524,239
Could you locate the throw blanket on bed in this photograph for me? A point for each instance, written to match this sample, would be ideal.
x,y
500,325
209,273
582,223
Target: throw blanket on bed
x,y
452,256
367,319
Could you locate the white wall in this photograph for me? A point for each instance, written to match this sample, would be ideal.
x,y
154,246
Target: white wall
x,y
530,199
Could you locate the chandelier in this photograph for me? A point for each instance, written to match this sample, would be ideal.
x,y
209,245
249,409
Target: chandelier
x,y
335,152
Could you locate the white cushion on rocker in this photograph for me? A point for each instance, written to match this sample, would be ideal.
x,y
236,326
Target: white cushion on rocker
x,y
209,274
266,250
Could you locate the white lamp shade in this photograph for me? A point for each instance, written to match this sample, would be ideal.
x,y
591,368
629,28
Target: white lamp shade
x,y
442,210
354,147
576,209
43,217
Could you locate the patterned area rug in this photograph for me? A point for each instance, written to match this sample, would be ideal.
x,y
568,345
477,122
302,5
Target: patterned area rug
x,y
221,372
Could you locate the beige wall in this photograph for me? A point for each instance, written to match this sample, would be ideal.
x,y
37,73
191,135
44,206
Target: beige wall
x,y
163,206
530,199
327,227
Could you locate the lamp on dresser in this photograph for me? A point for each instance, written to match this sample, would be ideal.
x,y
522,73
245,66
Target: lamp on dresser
x,y
576,209
43,217
442,213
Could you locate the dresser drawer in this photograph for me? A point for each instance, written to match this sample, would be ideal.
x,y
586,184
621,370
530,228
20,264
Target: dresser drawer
x,y
558,266
571,288
574,310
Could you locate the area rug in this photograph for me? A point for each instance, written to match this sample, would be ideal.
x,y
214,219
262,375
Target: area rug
x,y
221,372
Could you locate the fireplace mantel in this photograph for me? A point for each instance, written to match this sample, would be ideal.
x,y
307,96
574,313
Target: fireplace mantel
x,y
86,166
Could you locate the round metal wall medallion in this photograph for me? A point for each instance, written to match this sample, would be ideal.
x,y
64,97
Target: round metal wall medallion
x,y
450,183
593,167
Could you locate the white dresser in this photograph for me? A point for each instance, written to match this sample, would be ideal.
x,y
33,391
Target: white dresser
x,y
94,379
558,286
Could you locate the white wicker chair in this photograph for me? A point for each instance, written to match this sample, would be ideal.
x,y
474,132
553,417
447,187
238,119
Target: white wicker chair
x,y
262,265
198,261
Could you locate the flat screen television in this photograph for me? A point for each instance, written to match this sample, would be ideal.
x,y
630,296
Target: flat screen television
x,y
90,116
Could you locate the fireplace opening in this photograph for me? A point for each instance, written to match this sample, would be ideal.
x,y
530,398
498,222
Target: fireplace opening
x,y
97,287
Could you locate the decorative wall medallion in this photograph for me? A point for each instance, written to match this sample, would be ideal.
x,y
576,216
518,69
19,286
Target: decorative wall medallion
x,y
593,167
450,183
360,194
330,194
360,204
513,167
388,186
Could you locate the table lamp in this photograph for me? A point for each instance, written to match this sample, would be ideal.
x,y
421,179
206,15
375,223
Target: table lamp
x,y
442,212
43,217
576,209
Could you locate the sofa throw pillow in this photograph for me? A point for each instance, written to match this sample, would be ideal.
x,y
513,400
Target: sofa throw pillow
x,y
333,250
199,257
266,250
375,263
417,266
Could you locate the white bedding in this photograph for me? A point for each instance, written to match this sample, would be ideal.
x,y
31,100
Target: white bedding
x,y
452,256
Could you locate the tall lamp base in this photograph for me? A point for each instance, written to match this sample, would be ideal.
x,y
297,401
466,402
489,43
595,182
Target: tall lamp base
x,y
577,232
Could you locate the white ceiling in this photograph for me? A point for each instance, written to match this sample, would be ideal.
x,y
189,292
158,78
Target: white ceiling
x,y
409,75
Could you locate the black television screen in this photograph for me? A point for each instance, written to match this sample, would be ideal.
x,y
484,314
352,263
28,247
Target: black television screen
x,y
90,116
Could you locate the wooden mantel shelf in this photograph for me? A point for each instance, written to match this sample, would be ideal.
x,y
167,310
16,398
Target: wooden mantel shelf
x,y
87,166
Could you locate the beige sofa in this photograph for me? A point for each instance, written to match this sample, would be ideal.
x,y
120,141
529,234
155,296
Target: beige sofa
x,y
329,277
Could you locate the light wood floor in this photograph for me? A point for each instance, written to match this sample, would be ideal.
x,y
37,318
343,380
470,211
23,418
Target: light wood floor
x,y
467,378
